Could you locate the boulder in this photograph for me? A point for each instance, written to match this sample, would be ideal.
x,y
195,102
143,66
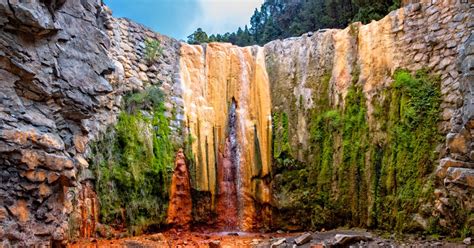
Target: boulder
x,y
344,240
303,239
278,243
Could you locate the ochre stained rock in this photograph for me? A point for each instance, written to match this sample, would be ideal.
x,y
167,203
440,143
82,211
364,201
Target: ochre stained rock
x,y
89,211
180,205
227,204
212,78
20,210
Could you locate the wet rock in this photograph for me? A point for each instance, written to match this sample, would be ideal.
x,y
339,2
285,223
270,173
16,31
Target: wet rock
x,y
467,241
278,243
215,244
344,240
303,239
180,206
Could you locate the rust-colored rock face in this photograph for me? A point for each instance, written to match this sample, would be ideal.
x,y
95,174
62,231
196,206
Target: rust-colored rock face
x,y
180,206
213,77
227,178
89,211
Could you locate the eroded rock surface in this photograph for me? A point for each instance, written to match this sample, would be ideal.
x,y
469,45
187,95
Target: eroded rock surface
x,y
53,63
66,65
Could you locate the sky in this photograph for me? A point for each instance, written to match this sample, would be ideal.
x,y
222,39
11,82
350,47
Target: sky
x,y
180,18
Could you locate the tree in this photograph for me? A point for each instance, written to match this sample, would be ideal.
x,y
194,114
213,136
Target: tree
x,y
198,37
279,19
256,25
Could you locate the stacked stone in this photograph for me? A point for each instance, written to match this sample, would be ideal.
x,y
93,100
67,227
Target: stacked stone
x,y
431,34
456,169
134,73
438,35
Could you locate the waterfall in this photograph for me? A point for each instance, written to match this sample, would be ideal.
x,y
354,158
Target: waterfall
x,y
228,205
227,106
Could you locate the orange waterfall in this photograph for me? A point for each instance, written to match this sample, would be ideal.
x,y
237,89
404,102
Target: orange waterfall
x,y
216,77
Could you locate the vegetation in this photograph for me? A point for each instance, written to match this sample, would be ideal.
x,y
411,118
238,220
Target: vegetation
x,y
367,174
153,50
133,165
279,19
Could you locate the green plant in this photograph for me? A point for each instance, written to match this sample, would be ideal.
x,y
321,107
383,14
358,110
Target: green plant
x,y
380,172
133,163
153,49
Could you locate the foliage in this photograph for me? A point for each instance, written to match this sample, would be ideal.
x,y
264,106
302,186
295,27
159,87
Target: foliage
x,y
363,177
133,164
153,49
198,37
278,19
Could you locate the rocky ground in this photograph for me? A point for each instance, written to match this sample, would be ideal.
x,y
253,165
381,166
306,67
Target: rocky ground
x,y
335,238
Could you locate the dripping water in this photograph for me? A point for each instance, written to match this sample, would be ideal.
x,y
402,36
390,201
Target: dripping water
x,y
228,176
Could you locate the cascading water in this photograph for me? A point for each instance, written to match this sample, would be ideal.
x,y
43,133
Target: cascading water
x,y
227,109
227,176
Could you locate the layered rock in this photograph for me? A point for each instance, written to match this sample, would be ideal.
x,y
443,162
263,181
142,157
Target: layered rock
x,y
53,63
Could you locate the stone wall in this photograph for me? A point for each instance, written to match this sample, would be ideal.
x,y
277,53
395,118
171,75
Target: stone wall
x,y
456,170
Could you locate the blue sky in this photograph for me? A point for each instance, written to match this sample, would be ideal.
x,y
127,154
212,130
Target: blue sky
x,y
179,18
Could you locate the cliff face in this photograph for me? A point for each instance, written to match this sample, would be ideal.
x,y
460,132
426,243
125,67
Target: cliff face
x,y
305,132
53,63
316,76
62,86
214,77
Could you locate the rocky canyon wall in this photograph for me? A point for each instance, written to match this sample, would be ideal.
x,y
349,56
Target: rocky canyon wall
x,y
62,87
315,131
320,85
53,65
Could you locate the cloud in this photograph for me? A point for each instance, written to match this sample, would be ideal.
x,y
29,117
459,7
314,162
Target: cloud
x,y
221,16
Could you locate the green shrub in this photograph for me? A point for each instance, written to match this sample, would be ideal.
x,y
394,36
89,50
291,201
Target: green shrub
x,y
153,49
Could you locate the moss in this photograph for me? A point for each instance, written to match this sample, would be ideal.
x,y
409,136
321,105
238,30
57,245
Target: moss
x,y
409,152
133,165
281,144
368,174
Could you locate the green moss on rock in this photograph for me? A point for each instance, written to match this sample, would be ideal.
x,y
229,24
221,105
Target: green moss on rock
x,y
367,174
133,164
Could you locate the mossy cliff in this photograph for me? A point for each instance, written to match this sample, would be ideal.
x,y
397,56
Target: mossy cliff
x,y
361,178
133,165
359,128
